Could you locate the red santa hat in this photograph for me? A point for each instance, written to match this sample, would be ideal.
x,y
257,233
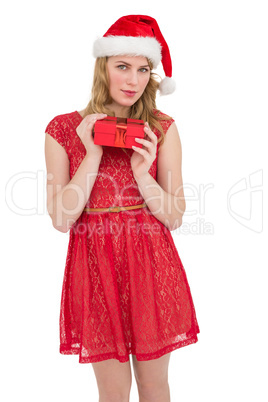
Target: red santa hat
x,y
138,35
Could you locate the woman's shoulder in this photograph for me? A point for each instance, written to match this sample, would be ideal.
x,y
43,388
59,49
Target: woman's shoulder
x,y
61,127
164,119
162,115
63,119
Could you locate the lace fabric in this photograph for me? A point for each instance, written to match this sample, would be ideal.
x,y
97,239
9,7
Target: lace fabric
x,y
125,289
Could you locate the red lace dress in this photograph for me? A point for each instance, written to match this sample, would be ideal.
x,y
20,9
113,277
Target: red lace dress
x,y
125,289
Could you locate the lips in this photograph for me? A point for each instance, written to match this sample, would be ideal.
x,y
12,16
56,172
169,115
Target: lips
x,y
129,93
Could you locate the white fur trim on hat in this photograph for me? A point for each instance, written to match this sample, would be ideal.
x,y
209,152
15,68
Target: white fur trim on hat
x,y
167,86
128,45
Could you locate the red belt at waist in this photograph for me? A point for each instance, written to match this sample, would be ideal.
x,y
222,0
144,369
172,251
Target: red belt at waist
x,y
116,208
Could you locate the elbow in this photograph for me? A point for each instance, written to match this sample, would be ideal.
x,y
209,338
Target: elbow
x,y
63,228
173,223
176,223
60,228
58,222
64,225
177,220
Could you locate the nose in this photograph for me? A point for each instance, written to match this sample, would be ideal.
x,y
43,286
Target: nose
x,y
132,78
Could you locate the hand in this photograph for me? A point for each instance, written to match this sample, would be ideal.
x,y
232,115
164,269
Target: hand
x,y
84,131
142,158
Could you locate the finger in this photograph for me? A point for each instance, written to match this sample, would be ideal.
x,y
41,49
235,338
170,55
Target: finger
x,y
151,135
142,151
149,131
98,115
150,148
145,154
90,124
151,143
90,120
146,143
95,116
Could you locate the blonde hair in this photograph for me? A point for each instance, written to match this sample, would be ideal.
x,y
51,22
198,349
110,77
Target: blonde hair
x,y
143,109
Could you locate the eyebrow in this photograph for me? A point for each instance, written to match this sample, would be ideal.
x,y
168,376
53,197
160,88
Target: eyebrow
x,y
147,65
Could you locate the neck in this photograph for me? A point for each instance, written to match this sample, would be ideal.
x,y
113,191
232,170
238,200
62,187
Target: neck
x,y
119,111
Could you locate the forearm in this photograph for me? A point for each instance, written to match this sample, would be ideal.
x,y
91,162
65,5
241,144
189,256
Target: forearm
x,y
166,207
68,203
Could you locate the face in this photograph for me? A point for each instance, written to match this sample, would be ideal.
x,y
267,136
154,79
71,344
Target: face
x,y
128,78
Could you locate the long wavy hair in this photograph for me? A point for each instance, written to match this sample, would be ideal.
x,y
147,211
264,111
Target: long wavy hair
x,y
145,107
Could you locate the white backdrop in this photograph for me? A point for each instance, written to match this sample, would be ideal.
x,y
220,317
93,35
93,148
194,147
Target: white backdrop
x,y
219,55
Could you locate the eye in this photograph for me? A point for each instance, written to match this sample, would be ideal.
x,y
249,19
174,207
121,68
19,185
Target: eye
x,y
121,65
144,69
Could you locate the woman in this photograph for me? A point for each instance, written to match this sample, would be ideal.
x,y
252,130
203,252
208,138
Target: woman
x,y
125,290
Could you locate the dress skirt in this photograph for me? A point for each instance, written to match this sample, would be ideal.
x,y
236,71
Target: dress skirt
x,y
125,289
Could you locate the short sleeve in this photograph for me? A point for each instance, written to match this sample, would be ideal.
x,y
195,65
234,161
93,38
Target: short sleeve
x,y
55,129
167,120
166,124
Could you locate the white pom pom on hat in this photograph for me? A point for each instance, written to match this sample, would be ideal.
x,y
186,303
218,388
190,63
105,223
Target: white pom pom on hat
x,y
138,35
167,86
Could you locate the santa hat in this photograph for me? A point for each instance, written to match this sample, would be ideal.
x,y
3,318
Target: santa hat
x,y
138,35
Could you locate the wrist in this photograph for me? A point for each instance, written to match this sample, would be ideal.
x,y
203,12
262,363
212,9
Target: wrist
x,y
93,157
143,177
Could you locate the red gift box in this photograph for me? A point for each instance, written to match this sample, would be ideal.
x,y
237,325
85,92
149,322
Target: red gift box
x,y
118,132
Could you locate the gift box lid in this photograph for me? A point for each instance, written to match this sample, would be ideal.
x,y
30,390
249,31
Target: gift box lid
x,y
110,124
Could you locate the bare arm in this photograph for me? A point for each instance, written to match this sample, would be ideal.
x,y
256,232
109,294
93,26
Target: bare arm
x,y
165,196
67,198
